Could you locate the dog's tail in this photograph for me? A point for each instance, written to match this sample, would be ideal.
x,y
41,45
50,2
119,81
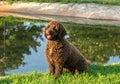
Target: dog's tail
x,y
88,62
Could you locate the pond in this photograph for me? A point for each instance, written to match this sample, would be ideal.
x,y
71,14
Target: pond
x,y
22,44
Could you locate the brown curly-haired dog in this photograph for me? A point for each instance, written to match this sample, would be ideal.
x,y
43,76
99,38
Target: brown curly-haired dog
x,y
60,53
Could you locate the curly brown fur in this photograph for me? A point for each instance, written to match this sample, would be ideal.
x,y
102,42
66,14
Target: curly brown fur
x,y
60,54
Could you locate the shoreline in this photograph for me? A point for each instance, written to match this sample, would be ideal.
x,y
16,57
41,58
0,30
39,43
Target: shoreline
x,y
77,13
62,19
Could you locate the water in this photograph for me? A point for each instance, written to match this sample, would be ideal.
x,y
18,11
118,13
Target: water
x,y
22,44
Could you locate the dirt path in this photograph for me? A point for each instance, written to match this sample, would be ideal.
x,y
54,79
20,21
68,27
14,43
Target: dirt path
x,y
66,12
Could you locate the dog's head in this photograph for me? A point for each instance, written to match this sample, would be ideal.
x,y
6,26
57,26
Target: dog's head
x,y
54,30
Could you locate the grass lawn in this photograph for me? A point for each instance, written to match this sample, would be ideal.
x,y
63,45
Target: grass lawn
x,y
97,74
110,2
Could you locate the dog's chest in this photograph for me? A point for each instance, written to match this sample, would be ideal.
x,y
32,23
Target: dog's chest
x,y
55,49
52,51
53,54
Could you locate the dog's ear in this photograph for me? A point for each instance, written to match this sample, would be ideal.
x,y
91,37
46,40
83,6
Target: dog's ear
x,y
62,31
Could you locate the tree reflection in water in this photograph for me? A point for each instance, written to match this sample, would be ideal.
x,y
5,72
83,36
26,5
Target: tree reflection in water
x,y
16,39
96,42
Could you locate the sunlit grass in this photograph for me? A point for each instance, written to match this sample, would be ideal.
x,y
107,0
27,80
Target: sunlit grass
x,y
97,74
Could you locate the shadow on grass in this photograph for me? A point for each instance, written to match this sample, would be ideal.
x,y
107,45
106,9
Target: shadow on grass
x,y
95,69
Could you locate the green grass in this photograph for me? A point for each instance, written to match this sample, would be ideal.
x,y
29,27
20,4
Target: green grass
x,y
110,2
97,74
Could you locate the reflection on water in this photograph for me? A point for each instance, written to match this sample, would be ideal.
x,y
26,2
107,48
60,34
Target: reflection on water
x,y
22,44
18,39
97,43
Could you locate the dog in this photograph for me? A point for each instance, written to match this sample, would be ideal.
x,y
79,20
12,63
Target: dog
x,y
60,53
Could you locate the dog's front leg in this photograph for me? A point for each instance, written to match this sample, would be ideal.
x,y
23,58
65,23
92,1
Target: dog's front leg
x,y
52,69
58,68
51,65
